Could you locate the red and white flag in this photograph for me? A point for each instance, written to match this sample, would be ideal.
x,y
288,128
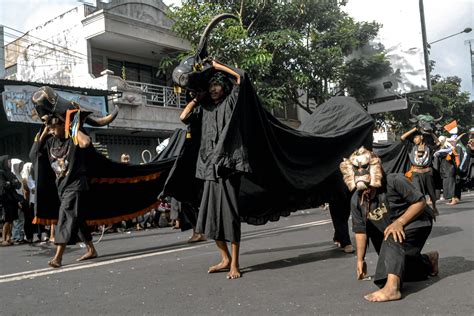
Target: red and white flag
x,y
452,127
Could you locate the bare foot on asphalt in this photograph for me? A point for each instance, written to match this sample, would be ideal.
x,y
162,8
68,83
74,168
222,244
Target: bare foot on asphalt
x,y
223,265
383,295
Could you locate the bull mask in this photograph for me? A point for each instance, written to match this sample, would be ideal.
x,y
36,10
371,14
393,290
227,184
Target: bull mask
x,y
49,104
192,72
425,123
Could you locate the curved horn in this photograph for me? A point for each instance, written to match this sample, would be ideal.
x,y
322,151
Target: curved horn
x,y
438,119
103,120
201,51
411,112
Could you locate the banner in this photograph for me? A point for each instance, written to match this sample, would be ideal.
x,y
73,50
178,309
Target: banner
x,y
19,108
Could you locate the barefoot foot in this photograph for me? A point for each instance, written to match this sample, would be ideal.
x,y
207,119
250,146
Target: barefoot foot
x,y
196,238
88,255
383,295
433,257
223,265
54,263
234,273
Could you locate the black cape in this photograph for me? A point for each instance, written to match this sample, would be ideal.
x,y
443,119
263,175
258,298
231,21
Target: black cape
x,y
283,169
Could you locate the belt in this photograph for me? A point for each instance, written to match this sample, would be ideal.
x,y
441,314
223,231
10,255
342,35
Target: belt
x,y
421,169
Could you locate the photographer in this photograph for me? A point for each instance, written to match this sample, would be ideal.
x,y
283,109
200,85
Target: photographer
x,y
8,198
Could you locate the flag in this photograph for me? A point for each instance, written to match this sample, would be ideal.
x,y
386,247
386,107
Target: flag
x,y
452,127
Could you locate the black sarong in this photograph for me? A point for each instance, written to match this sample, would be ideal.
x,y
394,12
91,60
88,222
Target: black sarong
x,y
424,182
448,174
218,216
71,223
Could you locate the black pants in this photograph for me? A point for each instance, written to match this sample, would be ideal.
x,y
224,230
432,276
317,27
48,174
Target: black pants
x,y
402,259
71,224
340,211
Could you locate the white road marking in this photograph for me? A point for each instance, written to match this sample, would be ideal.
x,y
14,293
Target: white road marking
x,y
79,266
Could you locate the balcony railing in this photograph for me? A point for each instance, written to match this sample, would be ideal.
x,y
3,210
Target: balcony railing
x,y
156,95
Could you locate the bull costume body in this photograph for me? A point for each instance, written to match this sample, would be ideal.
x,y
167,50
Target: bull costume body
x,y
283,169
116,192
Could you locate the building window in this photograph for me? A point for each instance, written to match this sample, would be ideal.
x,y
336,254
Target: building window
x,y
134,71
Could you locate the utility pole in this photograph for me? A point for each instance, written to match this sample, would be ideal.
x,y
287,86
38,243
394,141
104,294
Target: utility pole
x,y
425,45
2,53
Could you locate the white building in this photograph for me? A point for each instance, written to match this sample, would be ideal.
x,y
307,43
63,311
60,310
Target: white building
x,y
115,46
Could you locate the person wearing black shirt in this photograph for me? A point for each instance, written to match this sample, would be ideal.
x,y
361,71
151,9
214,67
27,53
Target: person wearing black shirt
x,y
67,161
218,216
9,198
390,212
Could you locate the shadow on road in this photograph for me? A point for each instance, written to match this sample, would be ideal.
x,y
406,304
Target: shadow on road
x,y
461,207
439,231
301,259
297,247
448,266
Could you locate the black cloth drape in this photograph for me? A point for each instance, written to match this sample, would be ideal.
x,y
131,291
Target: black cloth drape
x,y
283,169
116,192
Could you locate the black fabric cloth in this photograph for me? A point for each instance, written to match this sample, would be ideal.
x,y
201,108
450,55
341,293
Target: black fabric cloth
x,y
283,169
402,259
424,182
117,191
448,174
68,163
9,183
218,216
394,156
9,197
391,202
71,222
213,120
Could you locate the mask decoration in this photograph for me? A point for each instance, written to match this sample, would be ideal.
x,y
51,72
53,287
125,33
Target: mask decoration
x,y
51,107
362,170
425,123
193,72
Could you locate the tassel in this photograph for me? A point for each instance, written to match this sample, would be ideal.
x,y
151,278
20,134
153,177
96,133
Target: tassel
x,y
67,124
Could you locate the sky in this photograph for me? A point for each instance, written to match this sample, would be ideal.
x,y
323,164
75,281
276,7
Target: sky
x,y
442,18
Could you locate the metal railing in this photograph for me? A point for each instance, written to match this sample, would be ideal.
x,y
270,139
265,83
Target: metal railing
x,y
156,95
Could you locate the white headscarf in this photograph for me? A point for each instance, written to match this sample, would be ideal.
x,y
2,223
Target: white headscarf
x,y
17,165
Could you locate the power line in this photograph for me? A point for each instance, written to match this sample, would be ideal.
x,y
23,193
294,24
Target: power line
x,y
71,57
27,34
36,43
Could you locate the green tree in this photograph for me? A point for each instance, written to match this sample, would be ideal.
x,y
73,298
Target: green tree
x,y
287,47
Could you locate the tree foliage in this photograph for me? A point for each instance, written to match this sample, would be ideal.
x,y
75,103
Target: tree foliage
x,y
286,46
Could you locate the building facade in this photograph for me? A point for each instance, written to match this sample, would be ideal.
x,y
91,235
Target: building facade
x,y
113,46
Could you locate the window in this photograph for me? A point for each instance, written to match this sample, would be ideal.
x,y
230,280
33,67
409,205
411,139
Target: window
x,y
134,71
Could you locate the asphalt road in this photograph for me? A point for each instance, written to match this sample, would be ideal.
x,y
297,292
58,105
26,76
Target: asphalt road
x,y
289,267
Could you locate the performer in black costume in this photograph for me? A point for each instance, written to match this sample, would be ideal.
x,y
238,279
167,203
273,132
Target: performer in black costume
x,y
67,161
448,162
421,158
393,215
218,217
